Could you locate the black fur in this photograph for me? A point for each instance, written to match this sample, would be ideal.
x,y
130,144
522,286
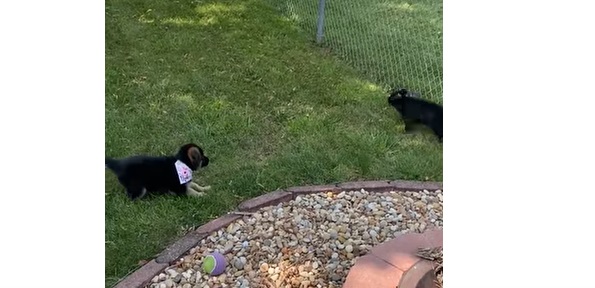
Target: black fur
x,y
141,174
415,110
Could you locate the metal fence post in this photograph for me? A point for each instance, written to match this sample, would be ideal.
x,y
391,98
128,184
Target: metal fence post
x,y
320,28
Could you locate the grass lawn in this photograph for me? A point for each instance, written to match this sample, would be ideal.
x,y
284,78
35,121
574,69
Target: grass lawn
x,y
270,109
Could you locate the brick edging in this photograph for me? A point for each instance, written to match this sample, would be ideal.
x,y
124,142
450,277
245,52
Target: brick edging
x,y
279,196
145,273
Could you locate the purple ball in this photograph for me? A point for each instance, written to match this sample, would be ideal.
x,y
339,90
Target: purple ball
x,y
214,264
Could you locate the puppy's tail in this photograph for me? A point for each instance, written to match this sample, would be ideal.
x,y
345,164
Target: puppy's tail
x,y
112,164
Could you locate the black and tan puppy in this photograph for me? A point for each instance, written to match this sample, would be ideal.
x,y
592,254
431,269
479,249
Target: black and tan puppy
x,y
415,110
141,174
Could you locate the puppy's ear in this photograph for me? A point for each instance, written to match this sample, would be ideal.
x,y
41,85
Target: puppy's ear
x,y
194,155
394,93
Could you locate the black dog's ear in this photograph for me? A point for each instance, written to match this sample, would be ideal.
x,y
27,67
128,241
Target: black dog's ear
x,y
190,154
194,155
394,92
403,92
399,92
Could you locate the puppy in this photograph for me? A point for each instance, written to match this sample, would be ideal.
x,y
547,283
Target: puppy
x,y
415,110
141,174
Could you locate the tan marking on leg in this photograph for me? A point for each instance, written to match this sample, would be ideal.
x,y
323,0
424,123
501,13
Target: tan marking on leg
x,y
198,187
193,193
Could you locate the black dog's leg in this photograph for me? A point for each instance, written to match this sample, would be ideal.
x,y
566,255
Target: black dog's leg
x,y
198,188
187,189
180,190
437,129
409,126
439,134
135,192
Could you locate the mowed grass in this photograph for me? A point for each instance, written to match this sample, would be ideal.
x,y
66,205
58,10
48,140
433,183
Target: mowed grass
x,y
392,42
270,109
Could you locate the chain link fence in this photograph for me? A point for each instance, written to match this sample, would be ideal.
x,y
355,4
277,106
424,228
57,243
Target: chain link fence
x,y
391,42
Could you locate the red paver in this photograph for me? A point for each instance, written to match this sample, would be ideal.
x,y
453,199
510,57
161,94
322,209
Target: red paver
x,y
434,237
313,189
400,254
406,185
371,271
269,199
401,251
417,274
180,247
216,224
142,276
370,186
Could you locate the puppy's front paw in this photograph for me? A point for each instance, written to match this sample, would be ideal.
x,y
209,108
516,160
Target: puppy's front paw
x,y
198,187
196,194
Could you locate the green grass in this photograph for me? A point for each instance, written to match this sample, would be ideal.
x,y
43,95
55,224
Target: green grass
x,y
392,42
270,109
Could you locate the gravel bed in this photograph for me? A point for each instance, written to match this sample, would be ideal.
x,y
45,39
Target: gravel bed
x,y
311,241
